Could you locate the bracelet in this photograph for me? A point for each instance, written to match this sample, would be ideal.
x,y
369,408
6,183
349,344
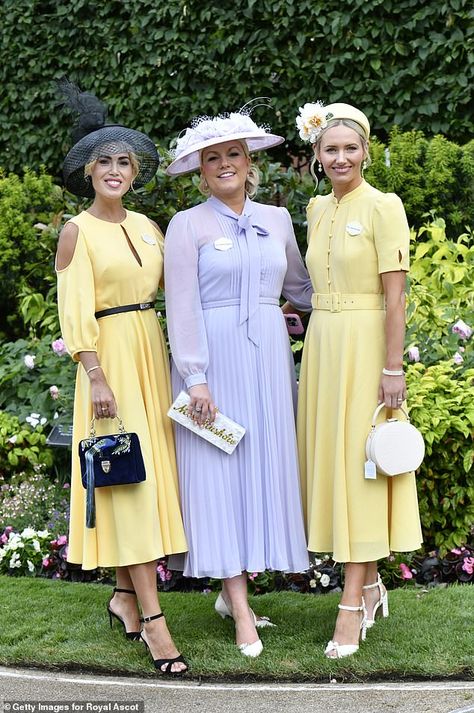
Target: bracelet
x,y
390,372
88,371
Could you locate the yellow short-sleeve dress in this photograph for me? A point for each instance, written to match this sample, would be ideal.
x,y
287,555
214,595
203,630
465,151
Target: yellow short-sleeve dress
x,y
134,523
350,243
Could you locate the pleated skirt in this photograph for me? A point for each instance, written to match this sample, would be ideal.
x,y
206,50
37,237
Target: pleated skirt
x,y
243,512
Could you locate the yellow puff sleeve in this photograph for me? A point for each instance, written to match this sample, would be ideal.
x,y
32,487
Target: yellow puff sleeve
x,y
391,234
76,302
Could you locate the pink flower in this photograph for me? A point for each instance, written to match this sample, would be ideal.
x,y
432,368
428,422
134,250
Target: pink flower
x,y
252,576
456,551
46,562
414,354
468,565
54,392
406,572
62,540
457,358
59,347
3,539
66,486
8,529
463,329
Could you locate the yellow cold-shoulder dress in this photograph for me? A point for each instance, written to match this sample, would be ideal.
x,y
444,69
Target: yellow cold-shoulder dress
x,y
134,523
350,243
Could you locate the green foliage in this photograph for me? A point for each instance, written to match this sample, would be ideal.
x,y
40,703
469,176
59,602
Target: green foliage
x,y
30,208
433,175
22,448
441,280
159,64
442,407
24,390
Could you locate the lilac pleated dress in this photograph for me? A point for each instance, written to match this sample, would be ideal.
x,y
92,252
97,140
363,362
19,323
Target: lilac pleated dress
x,y
224,275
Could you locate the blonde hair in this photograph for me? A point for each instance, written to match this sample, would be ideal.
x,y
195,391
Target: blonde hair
x,y
350,125
251,182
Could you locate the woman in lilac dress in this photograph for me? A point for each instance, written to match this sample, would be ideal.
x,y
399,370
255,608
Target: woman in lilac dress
x,y
227,261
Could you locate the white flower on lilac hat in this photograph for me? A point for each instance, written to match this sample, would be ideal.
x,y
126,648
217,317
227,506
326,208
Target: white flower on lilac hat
x,y
29,360
463,329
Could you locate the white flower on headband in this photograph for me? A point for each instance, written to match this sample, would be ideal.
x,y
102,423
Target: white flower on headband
x,y
312,120
218,127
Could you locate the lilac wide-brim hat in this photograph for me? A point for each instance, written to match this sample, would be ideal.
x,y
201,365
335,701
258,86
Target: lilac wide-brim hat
x,y
209,131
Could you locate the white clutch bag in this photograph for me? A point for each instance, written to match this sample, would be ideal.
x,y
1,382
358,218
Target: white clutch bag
x,y
223,433
394,446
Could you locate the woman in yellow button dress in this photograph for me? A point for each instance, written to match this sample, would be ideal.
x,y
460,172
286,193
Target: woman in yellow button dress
x,y
109,258
358,256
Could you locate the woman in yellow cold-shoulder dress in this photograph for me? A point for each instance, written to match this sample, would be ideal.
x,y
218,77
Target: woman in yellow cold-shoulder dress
x,y
109,264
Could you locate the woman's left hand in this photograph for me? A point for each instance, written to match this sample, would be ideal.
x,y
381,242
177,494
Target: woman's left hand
x,y
392,391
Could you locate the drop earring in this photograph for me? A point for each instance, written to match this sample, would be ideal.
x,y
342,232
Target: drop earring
x,y
320,167
364,165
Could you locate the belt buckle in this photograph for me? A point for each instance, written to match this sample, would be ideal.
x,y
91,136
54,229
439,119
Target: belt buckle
x,y
335,303
144,305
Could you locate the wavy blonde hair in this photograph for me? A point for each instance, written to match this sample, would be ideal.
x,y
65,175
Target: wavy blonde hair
x,y
251,183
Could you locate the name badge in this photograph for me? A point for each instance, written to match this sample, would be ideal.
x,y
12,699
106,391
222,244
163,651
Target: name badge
x,y
354,228
223,244
148,239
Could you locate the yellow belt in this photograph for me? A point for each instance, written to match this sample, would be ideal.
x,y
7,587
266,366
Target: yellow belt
x,y
337,302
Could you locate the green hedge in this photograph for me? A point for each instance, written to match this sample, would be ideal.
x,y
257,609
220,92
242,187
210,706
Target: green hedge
x,y
157,64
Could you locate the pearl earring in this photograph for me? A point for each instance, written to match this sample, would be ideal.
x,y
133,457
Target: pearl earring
x,y
364,165
320,167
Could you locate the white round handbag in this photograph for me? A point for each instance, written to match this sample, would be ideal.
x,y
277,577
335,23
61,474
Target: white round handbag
x,y
394,446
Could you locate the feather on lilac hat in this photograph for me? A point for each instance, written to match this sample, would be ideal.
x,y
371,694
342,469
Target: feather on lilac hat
x,y
207,131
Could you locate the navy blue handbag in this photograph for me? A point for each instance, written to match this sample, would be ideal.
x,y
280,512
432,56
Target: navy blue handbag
x,y
109,460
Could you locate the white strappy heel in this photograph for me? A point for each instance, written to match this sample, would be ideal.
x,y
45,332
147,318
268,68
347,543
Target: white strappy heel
x,y
343,650
382,601
223,609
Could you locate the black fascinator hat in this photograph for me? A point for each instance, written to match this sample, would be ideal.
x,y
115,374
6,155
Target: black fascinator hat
x,y
95,138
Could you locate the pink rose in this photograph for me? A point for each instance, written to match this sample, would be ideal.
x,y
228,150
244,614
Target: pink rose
x,y
462,329
406,572
414,354
59,347
468,565
54,392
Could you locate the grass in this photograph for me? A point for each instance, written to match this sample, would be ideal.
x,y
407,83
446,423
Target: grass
x,y
63,626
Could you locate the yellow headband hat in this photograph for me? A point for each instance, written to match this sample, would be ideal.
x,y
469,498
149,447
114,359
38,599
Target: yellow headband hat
x,y
313,118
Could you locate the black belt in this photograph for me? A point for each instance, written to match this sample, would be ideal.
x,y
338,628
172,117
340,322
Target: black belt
x,y
125,308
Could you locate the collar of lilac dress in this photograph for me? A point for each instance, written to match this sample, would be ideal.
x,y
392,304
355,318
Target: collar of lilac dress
x,y
248,234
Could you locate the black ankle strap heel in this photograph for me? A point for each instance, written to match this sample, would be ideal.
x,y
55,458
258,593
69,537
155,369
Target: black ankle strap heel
x,y
132,635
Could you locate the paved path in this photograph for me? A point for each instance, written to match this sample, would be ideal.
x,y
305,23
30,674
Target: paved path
x,y
87,693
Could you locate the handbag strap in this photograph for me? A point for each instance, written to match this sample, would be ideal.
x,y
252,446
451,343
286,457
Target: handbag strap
x,y
90,479
394,408
121,426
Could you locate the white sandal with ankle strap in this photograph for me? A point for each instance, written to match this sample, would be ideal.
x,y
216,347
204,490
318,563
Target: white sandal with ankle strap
x,y
343,650
382,601
223,609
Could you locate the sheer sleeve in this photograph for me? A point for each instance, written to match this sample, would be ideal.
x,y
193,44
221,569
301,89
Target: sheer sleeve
x,y
391,234
76,302
297,287
186,329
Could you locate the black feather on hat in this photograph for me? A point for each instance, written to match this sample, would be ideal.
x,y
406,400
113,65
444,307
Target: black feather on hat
x,y
94,137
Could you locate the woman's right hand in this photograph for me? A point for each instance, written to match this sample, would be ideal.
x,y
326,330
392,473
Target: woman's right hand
x,y
201,408
103,399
